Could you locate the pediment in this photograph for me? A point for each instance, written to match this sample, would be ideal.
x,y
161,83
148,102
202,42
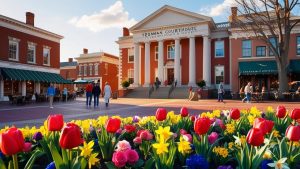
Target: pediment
x,y
169,16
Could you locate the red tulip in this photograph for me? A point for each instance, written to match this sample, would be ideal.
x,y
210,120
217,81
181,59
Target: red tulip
x,y
184,112
70,136
161,114
27,147
193,118
281,112
11,141
295,114
235,114
55,122
255,137
293,133
266,126
202,125
113,125
129,128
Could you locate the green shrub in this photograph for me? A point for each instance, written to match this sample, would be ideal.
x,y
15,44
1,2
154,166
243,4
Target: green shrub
x,y
201,83
125,84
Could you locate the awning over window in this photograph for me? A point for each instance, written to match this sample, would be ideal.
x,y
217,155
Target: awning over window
x,y
257,68
22,75
83,81
294,66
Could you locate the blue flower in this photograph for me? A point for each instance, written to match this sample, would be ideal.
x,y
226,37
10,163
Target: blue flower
x,y
37,136
51,165
264,164
192,146
225,167
197,162
1,155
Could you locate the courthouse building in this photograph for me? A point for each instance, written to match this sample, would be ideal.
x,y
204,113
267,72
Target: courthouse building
x,y
29,58
178,45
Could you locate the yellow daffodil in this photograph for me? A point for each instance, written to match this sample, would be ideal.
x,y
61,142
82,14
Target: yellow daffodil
x,y
164,132
276,134
230,145
184,147
270,109
267,155
161,147
87,149
251,119
93,160
230,128
216,113
221,151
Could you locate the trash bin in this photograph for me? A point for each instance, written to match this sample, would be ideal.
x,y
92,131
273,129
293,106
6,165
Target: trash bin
x,y
115,95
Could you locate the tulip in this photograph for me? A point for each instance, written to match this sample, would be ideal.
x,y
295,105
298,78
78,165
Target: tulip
x,y
161,114
266,126
193,118
293,133
213,137
281,112
27,147
129,128
235,114
119,159
132,156
219,122
113,125
146,135
123,145
11,141
70,136
188,137
182,131
295,114
55,122
137,140
202,125
255,137
184,112
37,136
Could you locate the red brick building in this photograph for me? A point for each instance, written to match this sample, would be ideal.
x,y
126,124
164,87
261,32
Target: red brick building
x,y
98,67
68,70
172,43
29,57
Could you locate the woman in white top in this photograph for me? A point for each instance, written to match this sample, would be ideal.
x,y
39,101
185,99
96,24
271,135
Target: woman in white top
x,y
107,93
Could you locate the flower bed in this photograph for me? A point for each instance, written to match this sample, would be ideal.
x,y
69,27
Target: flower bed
x,y
244,139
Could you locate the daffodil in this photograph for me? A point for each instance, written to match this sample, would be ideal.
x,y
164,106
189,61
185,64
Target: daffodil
x,y
87,149
221,151
161,147
229,128
93,160
280,164
267,155
184,147
164,133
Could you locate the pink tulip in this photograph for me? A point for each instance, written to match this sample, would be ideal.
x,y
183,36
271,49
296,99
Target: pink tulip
x,y
183,132
188,137
137,140
27,147
132,156
213,137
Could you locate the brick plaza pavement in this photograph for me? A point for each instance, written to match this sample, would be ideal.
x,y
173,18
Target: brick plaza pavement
x,y
36,113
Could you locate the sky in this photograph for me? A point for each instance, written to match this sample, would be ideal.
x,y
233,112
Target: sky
x,y
97,24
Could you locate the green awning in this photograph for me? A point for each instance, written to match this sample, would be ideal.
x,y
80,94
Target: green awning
x,y
258,68
22,75
294,66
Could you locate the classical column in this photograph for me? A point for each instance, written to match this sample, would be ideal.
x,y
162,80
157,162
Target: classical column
x,y
23,88
147,64
206,60
160,65
37,87
177,62
192,62
1,89
136,64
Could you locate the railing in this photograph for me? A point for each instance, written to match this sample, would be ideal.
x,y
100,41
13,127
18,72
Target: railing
x,y
151,89
171,89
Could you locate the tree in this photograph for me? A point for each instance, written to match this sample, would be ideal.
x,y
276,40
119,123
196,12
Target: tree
x,y
264,19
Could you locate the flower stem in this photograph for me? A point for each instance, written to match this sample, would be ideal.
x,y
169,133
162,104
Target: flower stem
x,y
15,161
290,149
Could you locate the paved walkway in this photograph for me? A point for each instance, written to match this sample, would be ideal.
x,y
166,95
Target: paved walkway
x,y
36,113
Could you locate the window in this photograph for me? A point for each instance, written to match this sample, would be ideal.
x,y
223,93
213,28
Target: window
x,y
80,70
298,45
219,49
246,48
131,75
13,50
106,68
96,69
171,51
130,55
219,74
31,53
260,51
274,42
91,70
84,70
156,53
46,56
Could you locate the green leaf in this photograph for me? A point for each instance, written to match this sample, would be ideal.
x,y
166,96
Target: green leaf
x,y
283,148
76,163
110,165
138,164
30,162
10,164
2,165
149,163
56,156
83,163
65,155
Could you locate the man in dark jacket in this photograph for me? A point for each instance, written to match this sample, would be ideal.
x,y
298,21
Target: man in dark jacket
x,y
96,92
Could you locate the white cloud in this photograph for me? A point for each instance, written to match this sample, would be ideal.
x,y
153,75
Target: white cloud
x,y
219,9
113,17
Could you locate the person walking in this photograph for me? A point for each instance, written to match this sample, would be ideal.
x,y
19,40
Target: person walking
x,y
50,95
65,94
107,93
88,91
96,92
247,92
220,92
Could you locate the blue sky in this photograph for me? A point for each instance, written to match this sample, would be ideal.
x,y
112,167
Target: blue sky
x,y
97,24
